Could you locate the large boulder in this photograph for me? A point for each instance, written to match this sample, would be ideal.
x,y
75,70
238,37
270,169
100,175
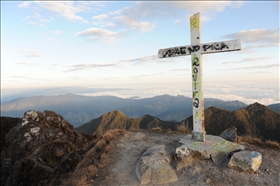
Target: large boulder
x,y
37,149
154,167
245,161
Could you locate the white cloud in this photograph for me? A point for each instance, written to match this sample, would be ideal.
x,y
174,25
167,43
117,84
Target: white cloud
x,y
30,53
135,24
263,93
147,59
177,21
140,15
100,34
255,67
88,66
205,6
29,64
165,9
24,4
35,23
259,37
248,60
65,9
100,17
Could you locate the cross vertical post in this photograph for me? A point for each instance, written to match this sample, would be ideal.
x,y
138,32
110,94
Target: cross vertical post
x,y
198,132
196,49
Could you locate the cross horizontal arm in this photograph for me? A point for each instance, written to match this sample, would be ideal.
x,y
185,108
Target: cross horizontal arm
x,y
223,46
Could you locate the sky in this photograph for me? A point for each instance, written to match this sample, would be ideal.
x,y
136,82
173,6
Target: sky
x,y
114,44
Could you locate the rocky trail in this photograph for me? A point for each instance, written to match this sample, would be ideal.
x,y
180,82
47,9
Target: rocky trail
x,y
123,159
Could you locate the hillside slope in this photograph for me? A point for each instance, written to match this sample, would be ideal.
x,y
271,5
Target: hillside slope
x,y
255,120
118,120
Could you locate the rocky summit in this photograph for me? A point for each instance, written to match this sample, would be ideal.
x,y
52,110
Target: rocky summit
x,y
40,148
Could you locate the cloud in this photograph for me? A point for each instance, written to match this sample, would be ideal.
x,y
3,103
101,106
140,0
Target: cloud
x,y
248,60
141,59
100,17
29,64
100,34
88,66
66,9
203,7
255,67
135,24
24,4
30,53
180,69
20,77
176,22
167,9
257,37
147,59
140,15
35,23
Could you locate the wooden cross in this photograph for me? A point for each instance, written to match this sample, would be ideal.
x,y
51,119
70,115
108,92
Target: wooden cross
x,y
196,49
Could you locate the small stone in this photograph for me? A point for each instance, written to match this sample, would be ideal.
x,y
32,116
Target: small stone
x,y
24,121
49,119
230,134
245,161
58,152
35,131
31,114
28,137
182,150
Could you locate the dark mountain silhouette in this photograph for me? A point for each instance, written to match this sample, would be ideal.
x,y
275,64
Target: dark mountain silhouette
x,y
79,109
255,120
39,148
118,120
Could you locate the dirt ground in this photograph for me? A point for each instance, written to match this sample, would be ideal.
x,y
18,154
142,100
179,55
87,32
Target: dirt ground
x,y
123,160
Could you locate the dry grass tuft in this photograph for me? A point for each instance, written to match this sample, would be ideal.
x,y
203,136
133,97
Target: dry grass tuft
x,y
183,127
111,134
274,144
257,141
159,129
95,158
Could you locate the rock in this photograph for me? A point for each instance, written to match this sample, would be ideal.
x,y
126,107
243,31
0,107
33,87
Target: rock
x,y
139,136
37,146
230,134
245,161
214,147
154,167
35,131
182,150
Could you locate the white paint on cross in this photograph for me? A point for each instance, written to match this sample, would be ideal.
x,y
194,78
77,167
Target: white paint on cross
x,y
196,49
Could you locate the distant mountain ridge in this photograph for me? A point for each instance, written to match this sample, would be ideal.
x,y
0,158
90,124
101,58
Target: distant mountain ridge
x,y
255,120
78,109
117,119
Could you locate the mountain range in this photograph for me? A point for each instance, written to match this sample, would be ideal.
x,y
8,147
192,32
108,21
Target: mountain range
x,y
78,109
254,120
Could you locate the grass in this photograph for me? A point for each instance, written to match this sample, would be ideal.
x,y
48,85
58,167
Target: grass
x,y
250,138
183,127
95,158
